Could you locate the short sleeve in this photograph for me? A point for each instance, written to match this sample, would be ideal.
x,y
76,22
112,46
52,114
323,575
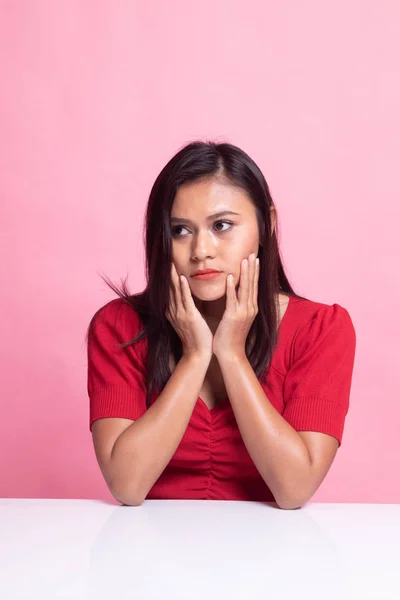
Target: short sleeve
x,y
317,386
116,377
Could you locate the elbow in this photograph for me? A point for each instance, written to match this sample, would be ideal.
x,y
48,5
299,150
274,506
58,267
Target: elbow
x,y
131,502
126,500
127,497
292,497
291,503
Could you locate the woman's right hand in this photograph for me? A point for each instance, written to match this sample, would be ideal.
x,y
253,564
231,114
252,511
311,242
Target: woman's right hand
x,y
186,319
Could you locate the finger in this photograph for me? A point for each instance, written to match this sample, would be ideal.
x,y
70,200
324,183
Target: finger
x,y
256,279
172,289
244,283
178,290
252,268
231,298
187,299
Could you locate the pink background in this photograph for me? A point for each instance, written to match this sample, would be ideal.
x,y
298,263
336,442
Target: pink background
x,y
96,97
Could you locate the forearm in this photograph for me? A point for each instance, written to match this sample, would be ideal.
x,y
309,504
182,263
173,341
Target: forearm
x,y
278,452
145,448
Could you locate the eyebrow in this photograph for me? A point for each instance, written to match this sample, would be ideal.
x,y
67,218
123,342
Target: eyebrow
x,y
218,214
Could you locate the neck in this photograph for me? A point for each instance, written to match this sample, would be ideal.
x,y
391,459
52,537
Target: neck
x,y
213,311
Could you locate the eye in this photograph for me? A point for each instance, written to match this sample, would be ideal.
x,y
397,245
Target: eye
x,y
177,227
224,222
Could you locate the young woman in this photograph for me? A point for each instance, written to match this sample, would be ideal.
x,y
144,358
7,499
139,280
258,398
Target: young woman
x,y
223,386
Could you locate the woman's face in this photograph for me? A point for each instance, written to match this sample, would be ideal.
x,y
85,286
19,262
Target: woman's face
x,y
203,241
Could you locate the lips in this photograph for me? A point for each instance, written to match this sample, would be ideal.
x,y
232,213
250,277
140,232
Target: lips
x,y
205,276
204,271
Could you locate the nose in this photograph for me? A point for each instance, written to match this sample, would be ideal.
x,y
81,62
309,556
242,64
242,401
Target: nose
x,y
203,246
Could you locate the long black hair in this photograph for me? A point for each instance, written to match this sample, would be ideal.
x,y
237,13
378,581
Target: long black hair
x,y
197,161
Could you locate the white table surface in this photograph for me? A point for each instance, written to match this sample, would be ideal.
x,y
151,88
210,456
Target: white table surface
x,y
198,549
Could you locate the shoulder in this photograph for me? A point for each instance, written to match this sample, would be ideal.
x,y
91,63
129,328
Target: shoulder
x,y
116,315
305,310
313,322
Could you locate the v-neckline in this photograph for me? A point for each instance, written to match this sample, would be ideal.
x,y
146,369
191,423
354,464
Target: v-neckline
x,y
225,400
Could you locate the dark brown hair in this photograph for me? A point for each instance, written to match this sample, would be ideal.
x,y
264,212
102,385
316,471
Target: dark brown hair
x,y
197,161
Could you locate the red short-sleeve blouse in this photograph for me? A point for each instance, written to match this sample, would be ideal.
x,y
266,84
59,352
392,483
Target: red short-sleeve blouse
x,y
308,383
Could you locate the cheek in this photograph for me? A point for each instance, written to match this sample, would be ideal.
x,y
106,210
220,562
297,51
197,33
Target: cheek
x,y
236,257
244,244
176,255
239,252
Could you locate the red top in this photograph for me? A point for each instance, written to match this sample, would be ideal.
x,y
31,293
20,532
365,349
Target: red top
x,y
308,383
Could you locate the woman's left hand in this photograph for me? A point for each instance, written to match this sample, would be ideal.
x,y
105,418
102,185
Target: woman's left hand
x,y
231,334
